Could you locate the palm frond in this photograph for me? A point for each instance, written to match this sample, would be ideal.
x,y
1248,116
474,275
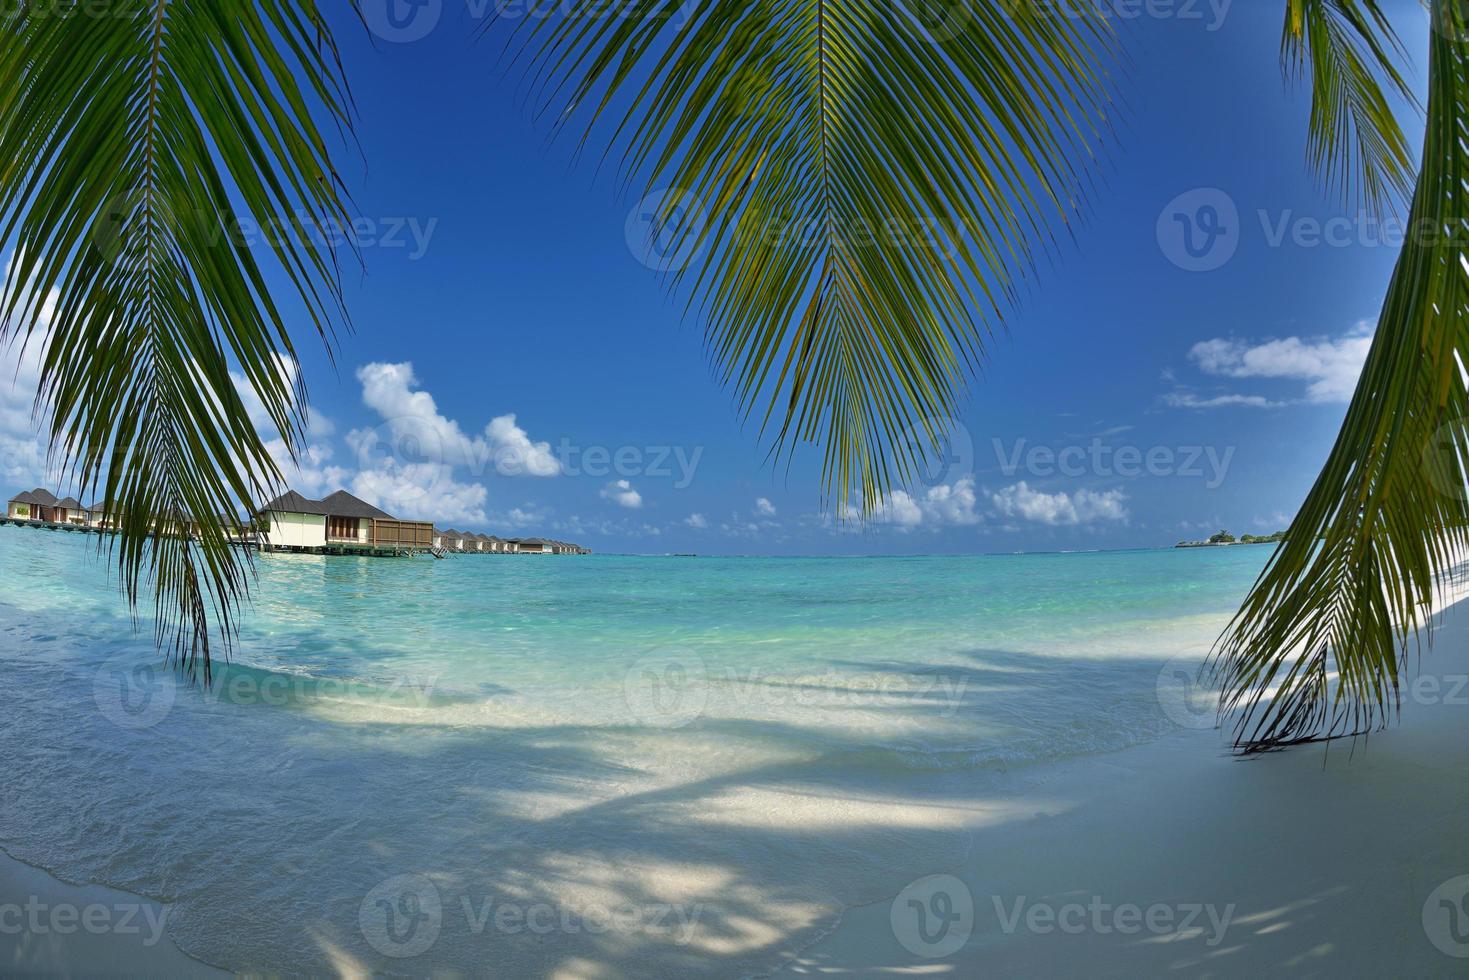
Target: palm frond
x,y
1350,52
138,142
1317,650
868,183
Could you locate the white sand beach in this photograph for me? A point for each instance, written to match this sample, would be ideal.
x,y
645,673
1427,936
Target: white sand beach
x,y
1314,861
1323,859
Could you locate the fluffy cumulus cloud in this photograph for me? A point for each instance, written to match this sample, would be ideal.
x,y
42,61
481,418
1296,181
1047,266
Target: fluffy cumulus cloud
x,y
1329,366
312,472
516,454
413,425
1023,502
949,504
411,463
621,493
422,492
22,449
696,521
417,464
764,508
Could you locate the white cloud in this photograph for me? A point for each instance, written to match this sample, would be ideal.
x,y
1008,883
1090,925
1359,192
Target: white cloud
x,y
527,516
1330,367
621,492
312,472
946,504
903,510
254,407
1082,507
408,464
422,492
22,448
516,454
764,508
1187,399
697,521
412,423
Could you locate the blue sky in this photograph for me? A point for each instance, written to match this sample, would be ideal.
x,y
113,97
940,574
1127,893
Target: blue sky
x,y
1129,402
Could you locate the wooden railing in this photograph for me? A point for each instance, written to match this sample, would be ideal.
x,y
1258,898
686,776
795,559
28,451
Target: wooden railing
x,y
401,534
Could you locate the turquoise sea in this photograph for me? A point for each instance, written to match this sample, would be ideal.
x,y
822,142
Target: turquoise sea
x,y
570,766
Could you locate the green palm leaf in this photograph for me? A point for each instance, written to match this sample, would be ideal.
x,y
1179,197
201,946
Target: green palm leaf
x,y
1349,51
136,140
868,183
1317,650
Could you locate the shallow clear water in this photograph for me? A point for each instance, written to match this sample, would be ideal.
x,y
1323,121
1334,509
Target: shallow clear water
x,y
735,748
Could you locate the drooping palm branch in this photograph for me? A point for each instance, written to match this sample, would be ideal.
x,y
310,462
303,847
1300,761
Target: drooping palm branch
x,y
140,142
1348,51
1317,651
864,183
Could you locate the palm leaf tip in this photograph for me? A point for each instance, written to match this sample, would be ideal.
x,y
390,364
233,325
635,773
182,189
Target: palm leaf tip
x,y
1353,58
829,142
139,142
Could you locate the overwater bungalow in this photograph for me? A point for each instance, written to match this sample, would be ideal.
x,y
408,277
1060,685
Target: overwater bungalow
x,y
339,523
452,540
33,505
69,510
104,514
44,506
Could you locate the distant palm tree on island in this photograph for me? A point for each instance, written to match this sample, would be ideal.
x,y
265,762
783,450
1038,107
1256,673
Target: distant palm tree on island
x,y
137,144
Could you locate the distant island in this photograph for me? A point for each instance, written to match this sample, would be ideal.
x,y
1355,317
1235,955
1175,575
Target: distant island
x,y
1224,539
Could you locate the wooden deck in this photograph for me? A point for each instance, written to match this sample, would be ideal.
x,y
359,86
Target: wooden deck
x,y
344,549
